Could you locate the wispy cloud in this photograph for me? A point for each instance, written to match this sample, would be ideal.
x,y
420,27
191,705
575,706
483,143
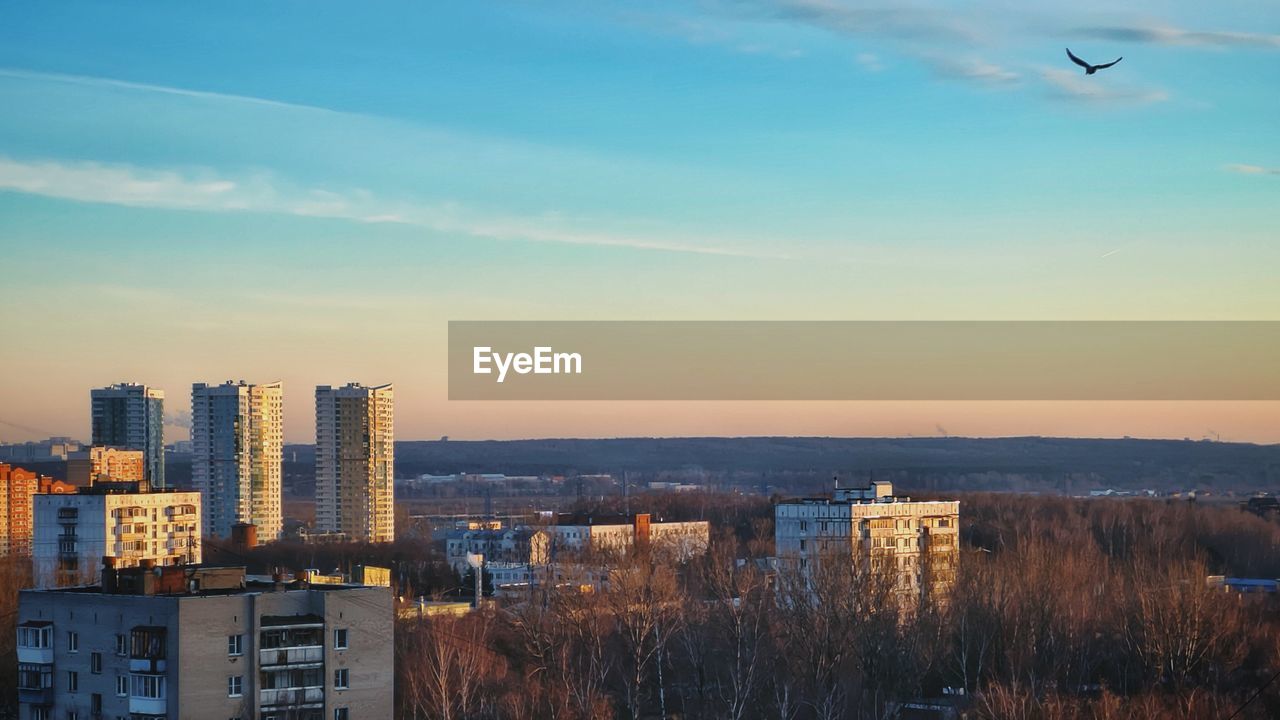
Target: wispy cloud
x,y
972,70
1252,169
1166,35
104,82
1069,85
869,62
203,190
902,22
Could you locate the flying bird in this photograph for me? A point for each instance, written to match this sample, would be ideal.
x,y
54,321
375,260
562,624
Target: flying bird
x,y
1090,69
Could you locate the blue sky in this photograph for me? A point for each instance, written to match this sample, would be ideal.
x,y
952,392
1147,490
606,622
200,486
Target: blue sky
x,y
229,185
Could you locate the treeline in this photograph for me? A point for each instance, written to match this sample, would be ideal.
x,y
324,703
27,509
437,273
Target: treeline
x,y
1062,608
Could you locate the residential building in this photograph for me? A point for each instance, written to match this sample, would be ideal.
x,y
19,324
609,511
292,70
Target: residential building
x,y
510,545
202,642
237,434
131,417
50,450
17,487
122,521
355,462
87,466
577,532
916,540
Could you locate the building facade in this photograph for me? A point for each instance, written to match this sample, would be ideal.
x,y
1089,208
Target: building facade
x,y
85,467
191,642
917,542
237,434
17,488
74,532
355,462
131,417
609,534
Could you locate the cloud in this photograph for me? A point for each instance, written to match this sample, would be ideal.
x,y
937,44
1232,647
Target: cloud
x,y
1070,85
102,82
1252,169
1165,35
869,62
901,22
972,70
205,191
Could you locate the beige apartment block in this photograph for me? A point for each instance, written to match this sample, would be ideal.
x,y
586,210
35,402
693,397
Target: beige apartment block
x,y
355,462
916,541
237,436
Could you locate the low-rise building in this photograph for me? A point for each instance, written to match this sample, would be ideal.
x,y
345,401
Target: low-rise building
x,y
123,521
606,534
197,642
98,463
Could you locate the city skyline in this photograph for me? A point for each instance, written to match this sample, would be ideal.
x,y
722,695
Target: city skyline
x,y
218,193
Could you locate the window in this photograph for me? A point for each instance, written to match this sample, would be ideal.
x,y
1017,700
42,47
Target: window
x,y
802,546
341,679
35,677
95,704
39,713
35,636
73,715
95,662
73,641
150,687
73,681
341,714
235,644
122,644
122,685
235,686
340,639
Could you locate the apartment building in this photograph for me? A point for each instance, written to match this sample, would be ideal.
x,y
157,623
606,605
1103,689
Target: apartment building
x,y
506,545
576,533
85,467
17,488
917,541
237,435
131,417
122,521
194,642
355,462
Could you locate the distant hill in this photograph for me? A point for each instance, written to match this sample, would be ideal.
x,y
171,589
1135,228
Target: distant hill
x,y
1012,463
1036,464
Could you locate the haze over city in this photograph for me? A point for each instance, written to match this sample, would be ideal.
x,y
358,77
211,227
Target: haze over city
x,y
308,194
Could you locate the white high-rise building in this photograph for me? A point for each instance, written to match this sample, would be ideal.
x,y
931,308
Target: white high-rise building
x,y
355,462
237,436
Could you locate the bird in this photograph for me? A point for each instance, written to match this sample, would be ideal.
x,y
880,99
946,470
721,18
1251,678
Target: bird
x,y
1090,69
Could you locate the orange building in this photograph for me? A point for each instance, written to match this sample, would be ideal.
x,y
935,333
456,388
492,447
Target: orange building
x,y
91,465
17,486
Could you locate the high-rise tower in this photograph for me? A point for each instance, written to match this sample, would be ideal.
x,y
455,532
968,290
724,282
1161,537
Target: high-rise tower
x,y
355,462
237,437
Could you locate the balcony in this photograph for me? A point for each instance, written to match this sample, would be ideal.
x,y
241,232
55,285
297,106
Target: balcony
x,y
148,706
291,697
36,696
305,655
35,655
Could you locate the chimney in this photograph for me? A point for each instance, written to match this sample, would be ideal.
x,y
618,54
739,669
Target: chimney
x,y
110,579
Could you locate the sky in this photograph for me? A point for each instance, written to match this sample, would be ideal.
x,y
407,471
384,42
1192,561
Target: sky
x,y
310,191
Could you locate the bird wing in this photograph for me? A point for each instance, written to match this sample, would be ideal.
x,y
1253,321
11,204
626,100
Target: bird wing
x,y
1076,60
1113,62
